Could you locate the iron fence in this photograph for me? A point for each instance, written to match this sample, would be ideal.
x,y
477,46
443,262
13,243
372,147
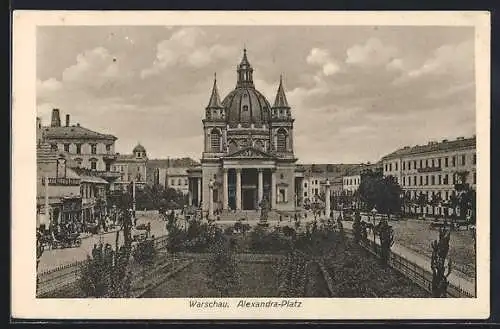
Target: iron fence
x,y
65,275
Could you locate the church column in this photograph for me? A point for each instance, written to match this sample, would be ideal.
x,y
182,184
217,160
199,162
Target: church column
x,y
211,200
273,190
199,192
190,192
238,189
260,186
225,192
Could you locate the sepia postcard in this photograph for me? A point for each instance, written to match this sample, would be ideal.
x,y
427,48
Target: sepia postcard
x,y
250,165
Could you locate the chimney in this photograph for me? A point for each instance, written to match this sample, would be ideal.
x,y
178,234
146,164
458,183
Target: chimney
x,y
67,120
56,120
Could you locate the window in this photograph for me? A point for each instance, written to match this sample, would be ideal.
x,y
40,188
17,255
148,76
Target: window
x,y
463,159
426,180
316,182
282,195
446,195
78,148
446,162
445,179
281,140
93,148
474,178
315,191
108,167
439,179
245,107
414,180
433,180
453,161
404,165
215,137
108,148
93,164
426,163
421,163
390,166
404,181
305,185
66,147
439,163
396,166
414,164
421,180
386,167
53,147
281,176
473,159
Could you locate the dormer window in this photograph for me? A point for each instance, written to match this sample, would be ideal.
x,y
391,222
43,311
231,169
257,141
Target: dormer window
x,y
245,108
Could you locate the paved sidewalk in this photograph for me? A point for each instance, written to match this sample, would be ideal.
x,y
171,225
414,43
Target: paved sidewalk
x,y
52,258
424,262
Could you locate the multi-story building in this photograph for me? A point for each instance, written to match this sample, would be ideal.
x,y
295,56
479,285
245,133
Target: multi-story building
x,y
132,167
84,148
177,178
89,149
433,169
66,195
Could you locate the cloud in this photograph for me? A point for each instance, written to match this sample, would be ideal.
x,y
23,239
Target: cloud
x,y
451,59
322,58
372,52
187,47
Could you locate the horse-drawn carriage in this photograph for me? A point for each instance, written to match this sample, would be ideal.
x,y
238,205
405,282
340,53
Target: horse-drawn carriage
x,y
66,240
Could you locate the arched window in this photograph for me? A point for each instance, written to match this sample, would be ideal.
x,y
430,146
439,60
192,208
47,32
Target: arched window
x,y
233,146
215,137
93,164
259,145
281,140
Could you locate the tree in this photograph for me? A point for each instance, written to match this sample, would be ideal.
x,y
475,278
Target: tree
x,y
422,202
356,227
380,192
440,271
386,235
223,271
466,198
434,202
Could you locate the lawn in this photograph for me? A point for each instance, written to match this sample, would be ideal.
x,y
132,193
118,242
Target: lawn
x,y
418,237
256,280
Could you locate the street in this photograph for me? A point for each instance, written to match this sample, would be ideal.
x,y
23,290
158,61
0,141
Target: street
x,y
57,257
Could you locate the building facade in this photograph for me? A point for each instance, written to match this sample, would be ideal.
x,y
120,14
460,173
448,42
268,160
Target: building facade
x,y
132,168
65,195
84,148
89,149
177,178
248,155
432,170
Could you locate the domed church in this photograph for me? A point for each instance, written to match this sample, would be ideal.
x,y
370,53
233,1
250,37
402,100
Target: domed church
x,y
248,159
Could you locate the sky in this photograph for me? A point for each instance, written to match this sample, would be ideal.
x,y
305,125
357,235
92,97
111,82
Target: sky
x,y
357,93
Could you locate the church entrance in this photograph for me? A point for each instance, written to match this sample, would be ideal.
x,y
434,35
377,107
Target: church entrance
x,y
249,197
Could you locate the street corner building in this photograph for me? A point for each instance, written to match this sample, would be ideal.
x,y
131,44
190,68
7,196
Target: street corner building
x,y
248,159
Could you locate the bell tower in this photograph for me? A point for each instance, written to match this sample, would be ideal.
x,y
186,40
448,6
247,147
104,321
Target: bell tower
x,y
282,124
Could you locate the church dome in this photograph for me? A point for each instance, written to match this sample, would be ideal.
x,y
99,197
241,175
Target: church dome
x,y
139,148
246,105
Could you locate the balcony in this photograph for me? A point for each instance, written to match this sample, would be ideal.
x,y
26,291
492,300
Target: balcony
x,y
109,157
62,181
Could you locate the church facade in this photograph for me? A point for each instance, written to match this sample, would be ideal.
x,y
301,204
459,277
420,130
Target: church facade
x,y
248,159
